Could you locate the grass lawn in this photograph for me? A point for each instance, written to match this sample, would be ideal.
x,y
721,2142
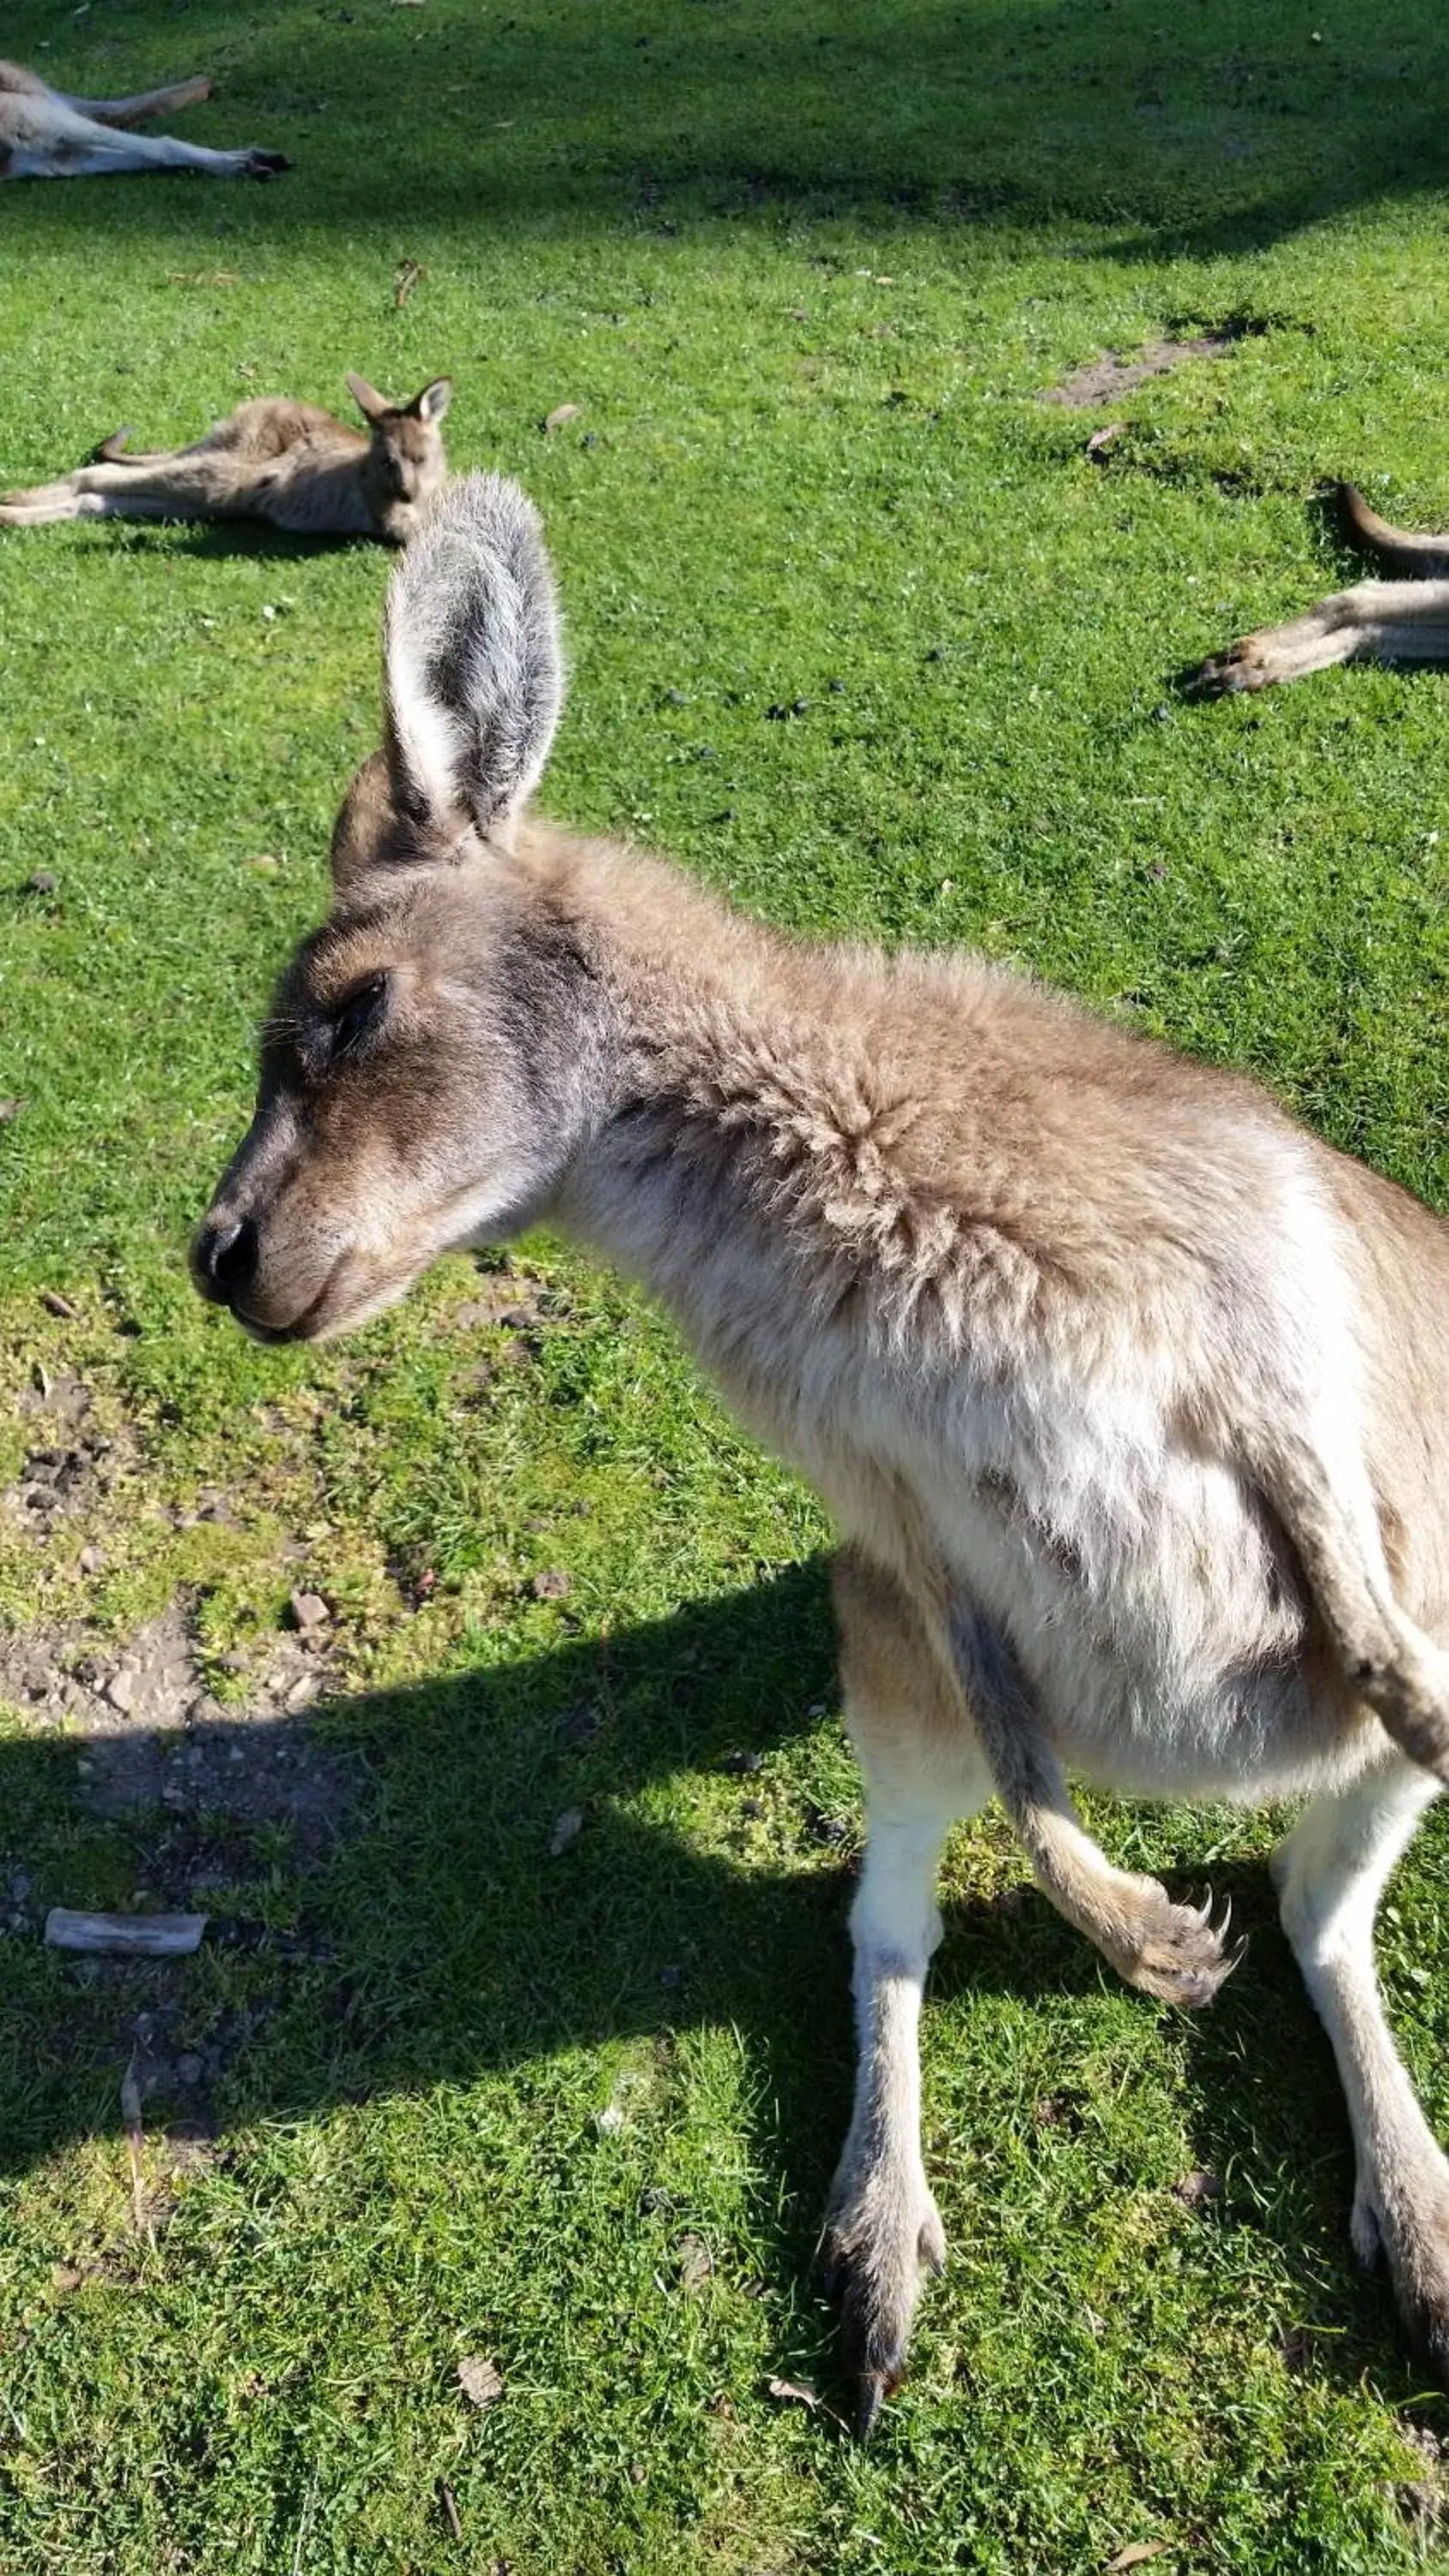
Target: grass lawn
x,y
520,2034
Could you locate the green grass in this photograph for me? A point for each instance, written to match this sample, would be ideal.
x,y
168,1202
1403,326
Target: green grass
x,y
806,273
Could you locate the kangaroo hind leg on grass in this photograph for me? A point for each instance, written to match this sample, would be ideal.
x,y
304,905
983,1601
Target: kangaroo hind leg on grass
x,y
46,135
1404,620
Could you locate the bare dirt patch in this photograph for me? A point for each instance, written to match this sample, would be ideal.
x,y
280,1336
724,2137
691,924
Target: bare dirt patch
x,y
69,1463
149,1732
1104,378
500,1297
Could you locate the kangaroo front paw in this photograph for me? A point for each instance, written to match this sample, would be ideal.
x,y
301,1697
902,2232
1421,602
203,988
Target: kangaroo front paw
x,y
880,2234
1176,1952
256,164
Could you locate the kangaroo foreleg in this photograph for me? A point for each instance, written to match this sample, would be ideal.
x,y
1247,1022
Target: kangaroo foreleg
x,y
1173,1951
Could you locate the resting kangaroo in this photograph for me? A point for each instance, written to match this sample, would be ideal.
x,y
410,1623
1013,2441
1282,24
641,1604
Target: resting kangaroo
x,y
289,463
1130,1397
45,135
1376,621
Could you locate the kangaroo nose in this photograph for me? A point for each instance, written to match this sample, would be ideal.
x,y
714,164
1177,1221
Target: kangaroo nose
x,y
225,1260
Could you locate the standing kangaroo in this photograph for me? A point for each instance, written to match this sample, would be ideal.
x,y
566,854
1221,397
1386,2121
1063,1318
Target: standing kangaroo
x,y
288,463
1130,1397
46,135
1377,621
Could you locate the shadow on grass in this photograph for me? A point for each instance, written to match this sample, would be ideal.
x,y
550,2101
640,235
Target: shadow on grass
x,y
214,540
1219,132
437,1936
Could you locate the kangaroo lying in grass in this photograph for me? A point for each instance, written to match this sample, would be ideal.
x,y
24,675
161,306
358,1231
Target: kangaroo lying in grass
x,y
1376,621
46,135
1130,1397
288,463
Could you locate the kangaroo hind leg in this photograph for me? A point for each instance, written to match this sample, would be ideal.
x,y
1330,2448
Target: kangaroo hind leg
x,y
1376,621
177,488
922,1770
1330,1873
41,505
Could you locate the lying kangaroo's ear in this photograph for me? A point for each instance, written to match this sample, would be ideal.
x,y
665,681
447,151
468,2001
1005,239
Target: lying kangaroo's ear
x,y
434,399
474,674
369,401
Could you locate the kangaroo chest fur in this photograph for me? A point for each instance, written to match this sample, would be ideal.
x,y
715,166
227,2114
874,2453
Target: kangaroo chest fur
x,y
1144,1589
915,1353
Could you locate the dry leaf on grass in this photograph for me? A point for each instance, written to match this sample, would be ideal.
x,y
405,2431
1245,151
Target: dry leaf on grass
x,y
566,1832
563,414
1102,439
1195,2190
408,273
795,2392
480,2380
696,2263
1136,2554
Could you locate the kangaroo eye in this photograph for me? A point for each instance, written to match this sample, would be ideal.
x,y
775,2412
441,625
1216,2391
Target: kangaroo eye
x,y
358,1016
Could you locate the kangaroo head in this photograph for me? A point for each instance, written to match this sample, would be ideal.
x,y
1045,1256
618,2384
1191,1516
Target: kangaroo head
x,y
405,463
433,1052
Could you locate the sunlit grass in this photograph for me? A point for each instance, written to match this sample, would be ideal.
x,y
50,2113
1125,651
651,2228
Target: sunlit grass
x,y
806,276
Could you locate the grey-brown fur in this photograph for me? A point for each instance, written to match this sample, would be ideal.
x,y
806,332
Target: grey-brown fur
x,y
45,134
288,464
1130,1398
1376,621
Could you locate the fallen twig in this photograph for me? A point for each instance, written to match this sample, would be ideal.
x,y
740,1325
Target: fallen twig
x,y
124,1936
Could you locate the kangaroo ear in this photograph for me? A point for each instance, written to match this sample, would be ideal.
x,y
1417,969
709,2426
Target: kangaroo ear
x,y
434,399
369,401
474,672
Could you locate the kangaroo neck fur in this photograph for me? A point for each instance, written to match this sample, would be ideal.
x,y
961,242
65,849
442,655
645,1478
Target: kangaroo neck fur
x,y
764,1147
